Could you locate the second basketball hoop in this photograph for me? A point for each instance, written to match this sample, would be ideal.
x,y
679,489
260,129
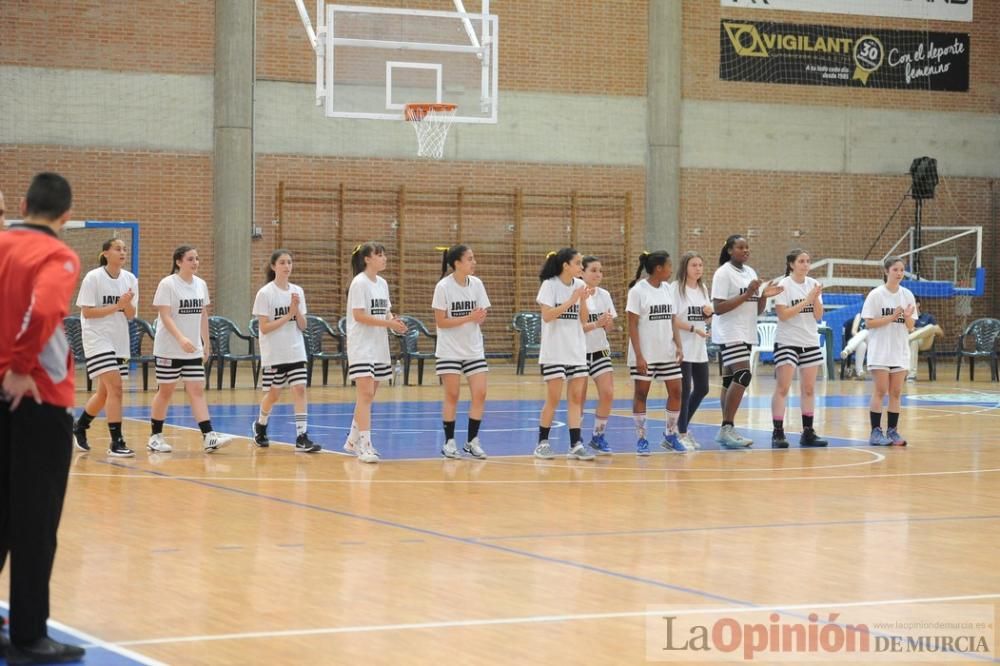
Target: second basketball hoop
x,y
431,121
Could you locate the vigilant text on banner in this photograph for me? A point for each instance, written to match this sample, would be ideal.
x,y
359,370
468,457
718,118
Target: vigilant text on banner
x,y
836,56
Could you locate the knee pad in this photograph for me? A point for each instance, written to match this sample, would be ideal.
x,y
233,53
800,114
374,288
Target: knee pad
x,y
727,380
743,377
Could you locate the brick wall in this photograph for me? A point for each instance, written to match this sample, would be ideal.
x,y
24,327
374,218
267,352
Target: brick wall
x,y
161,36
839,216
169,194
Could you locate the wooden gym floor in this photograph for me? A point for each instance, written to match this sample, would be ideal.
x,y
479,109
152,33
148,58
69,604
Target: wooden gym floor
x,y
268,556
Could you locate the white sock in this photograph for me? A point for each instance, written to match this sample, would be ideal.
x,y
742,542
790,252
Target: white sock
x,y
640,425
263,416
301,423
672,422
600,424
354,434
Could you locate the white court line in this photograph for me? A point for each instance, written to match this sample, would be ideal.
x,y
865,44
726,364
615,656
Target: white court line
x,y
534,619
876,458
143,476
91,641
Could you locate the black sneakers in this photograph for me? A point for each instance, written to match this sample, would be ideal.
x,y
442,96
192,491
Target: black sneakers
x,y
810,438
260,435
306,445
119,449
80,437
778,440
44,651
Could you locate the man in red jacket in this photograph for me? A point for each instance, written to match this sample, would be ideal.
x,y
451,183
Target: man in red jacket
x,y
38,273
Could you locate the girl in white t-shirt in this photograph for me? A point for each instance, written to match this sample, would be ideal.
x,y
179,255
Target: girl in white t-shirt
x,y
601,317
280,309
369,318
738,297
181,348
562,298
695,312
890,313
460,304
799,307
655,350
107,304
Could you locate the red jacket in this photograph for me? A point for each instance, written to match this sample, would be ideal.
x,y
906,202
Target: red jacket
x,y
38,273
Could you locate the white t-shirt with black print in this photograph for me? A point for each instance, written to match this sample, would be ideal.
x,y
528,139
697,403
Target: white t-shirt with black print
x,y
888,345
740,323
109,333
597,305
285,344
465,342
656,308
802,330
691,313
187,302
563,340
368,344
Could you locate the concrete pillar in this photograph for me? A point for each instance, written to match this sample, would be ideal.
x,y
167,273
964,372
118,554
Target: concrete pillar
x,y
663,106
233,158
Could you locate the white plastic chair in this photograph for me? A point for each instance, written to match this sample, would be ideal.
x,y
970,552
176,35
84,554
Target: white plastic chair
x,y
766,332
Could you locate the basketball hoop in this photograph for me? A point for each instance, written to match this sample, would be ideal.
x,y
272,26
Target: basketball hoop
x,y
431,122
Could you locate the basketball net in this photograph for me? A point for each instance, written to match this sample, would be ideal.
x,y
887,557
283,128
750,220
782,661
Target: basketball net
x,y
431,122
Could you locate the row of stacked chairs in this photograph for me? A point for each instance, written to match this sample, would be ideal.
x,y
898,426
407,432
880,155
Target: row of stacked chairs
x,y
327,344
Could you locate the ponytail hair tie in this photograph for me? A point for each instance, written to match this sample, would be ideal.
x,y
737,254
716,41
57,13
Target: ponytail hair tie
x,y
358,248
441,248
550,254
645,253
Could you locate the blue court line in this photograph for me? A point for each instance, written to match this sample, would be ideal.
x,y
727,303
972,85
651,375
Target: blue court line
x,y
475,542
719,528
97,655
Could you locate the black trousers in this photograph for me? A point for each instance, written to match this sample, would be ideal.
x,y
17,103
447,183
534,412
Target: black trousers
x,y
36,444
694,387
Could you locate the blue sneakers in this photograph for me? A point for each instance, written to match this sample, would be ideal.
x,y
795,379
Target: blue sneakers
x,y
895,439
878,438
599,444
673,443
642,447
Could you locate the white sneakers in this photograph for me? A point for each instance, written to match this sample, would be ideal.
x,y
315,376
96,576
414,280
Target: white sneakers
x,y
450,449
364,450
213,441
158,444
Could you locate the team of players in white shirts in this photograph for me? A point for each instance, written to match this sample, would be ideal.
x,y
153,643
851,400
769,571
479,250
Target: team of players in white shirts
x,y
667,326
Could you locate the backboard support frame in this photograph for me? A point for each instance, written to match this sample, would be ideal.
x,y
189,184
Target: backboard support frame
x,y
484,46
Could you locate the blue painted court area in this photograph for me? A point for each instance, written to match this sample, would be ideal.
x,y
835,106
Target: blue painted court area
x,y
412,430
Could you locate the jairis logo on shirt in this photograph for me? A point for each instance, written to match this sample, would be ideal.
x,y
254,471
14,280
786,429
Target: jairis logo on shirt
x,y
462,308
379,306
807,309
660,312
110,299
752,299
191,306
888,311
573,312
